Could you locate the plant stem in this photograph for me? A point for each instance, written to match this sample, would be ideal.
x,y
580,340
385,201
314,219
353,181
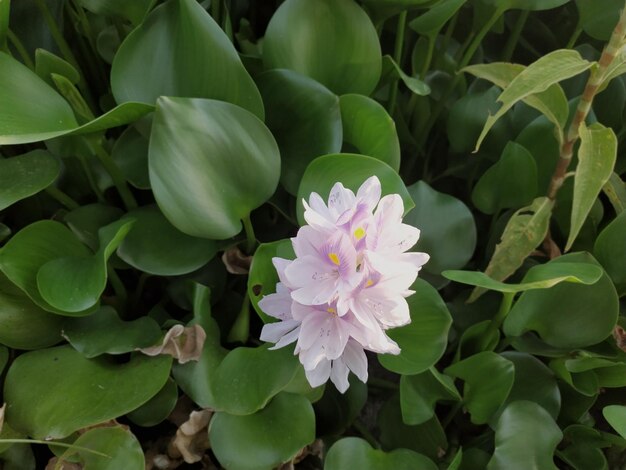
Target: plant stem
x,y
496,322
240,330
53,443
515,34
118,286
61,197
397,56
117,176
21,50
575,35
451,414
250,237
596,78
90,178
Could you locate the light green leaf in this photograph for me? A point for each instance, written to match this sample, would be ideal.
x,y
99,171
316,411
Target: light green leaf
x,y
488,381
182,31
532,5
130,153
204,154
524,231
351,170
526,437
431,22
424,340
416,85
615,190
47,63
616,417
609,251
92,390
301,34
25,175
542,276
353,452
596,159
368,128
420,393
85,221
132,11
265,439
103,332
305,119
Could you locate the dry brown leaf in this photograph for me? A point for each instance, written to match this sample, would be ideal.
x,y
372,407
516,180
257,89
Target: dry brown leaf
x,y
183,343
235,261
619,334
192,437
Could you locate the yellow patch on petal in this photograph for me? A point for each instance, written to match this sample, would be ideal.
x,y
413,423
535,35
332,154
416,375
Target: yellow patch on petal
x,y
369,282
334,258
359,233
331,310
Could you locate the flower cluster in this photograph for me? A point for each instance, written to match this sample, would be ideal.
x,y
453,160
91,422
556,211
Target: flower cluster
x,y
347,285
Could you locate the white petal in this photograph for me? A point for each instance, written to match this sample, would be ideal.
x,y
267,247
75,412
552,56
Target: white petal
x,y
308,241
277,305
273,332
339,375
319,375
317,214
340,200
369,192
356,360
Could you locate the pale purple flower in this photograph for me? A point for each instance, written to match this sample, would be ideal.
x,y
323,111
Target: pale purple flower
x,y
347,285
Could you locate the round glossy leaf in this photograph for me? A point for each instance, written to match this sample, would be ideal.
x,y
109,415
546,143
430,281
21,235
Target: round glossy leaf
x,y
91,390
368,128
526,437
155,246
119,444
609,251
304,117
167,45
31,248
30,107
510,183
25,175
210,163
577,315
353,452
24,325
351,170
130,153
265,439
424,340
103,332
598,18
447,228
263,277
616,417
158,408
75,284
301,35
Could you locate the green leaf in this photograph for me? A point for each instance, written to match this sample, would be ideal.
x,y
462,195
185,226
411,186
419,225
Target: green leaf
x,y
31,248
117,442
353,452
155,246
92,390
536,78
416,85
24,325
524,231
606,249
183,31
204,154
263,277
104,333
579,315
616,417
305,119
447,228
25,175
532,5
5,9
130,153
368,128
598,18
615,190
74,284
526,437
47,63
488,381
132,11
85,222
420,393
511,182
424,340
31,109
265,439
542,276
351,170
336,411
158,408
431,22
596,159
301,34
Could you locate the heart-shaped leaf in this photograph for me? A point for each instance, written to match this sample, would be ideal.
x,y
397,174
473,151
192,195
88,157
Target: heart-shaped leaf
x,y
351,170
265,439
599,18
420,393
103,332
368,128
204,154
301,34
355,452
616,417
184,31
305,119
25,175
87,220
424,340
92,390
155,246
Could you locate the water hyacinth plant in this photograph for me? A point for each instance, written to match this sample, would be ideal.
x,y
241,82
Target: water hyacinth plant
x,y
312,234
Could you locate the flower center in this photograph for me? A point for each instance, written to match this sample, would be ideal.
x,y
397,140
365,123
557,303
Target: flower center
x,y
334,258
369,283
331,310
